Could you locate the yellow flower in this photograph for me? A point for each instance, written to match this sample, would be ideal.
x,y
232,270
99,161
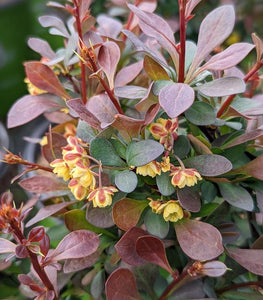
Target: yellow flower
x,y
78,190
165,164
70,129
151,169
43,141
84,175
61,169
102,196
172,211
184,177
32,89
165,131
157,206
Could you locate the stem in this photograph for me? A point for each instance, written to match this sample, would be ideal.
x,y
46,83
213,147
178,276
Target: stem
x,y
239,285
182,4
82,65
171,287
34,260
229,100
128,25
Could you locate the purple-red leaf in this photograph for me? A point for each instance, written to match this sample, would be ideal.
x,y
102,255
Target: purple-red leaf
x,y
21,251
121,285
214,29
152,250
243,138
108,58
42,184
108,26
199,240
42,47
190,5
189,199
214,268
78,107
44,244
126,212
36,234
259,46
128,73
28,108
7,246
252,169
176,98
126,246
250,259
76,244
48,211
53,149
44,78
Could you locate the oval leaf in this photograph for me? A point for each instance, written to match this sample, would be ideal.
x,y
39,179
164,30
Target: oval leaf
x,y
176,98
77,244
199,240
250,259
152,249
164,184
209,164
100,217
126,246
236,195
126,181
154,70
7,246
44,78
201,113
126,212
156,225
214,268
121,284
108,58
136,152
189,198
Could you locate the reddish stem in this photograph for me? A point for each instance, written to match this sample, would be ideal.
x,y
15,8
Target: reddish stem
x,y
240,285
229,100
36,166
34,260
182,4
82,65
128,25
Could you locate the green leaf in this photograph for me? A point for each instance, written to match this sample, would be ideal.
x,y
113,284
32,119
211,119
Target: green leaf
x,y
236,195
208,191
126,181
102,150
97,284
181,146
164,184
159,84
201,113
154,70
156,225
209,164
143,152
85,131
205,210
119,147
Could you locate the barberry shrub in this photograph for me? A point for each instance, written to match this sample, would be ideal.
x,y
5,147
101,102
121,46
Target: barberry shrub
x,y
152,162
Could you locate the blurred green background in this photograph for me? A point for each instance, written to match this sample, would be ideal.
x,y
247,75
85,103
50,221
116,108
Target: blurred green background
x,y
19,21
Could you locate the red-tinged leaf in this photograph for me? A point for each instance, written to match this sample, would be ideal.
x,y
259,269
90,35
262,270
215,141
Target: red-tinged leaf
x,y
154,70
77,264
128,74
250,259
103,109
109,26
156,27
121,285
189,199
252,169
57,117
151,114
54,22
126,212
76,244
259,46
214,268
42,184
53,149
44,78
28,108
199,147
152,250
42,47
7,246
21,251
224,86
108,58
48,211
258,244
78,107
148,100
199,240
126,246
25,279
130,92
100,217
44,244
190,5
228,58
248,136
176,98
128,127
84,9
214,29
36,234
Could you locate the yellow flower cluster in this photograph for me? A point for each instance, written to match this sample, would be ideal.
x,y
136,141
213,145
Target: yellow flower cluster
x,y
154,168
182,177
171,210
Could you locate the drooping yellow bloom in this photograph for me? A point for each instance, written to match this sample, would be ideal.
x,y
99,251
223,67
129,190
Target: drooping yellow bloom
x,y
165,164
165,131
172,211
77,189
61,169
102,196
184,177
157,206
32,89
83,174
151,169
